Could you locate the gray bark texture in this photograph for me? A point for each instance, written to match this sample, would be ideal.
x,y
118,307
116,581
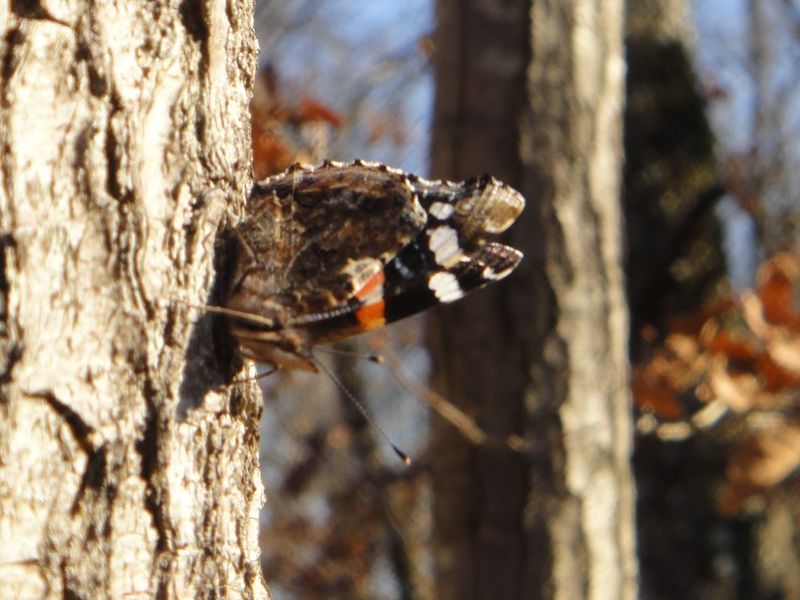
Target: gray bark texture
x,y
533,93
127,468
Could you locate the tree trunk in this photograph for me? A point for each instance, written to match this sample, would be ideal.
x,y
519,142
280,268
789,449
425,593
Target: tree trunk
x,y
533,94
126,468
675,263
671,186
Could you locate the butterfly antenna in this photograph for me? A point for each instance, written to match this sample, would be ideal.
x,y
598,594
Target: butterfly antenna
x,y
403,456
372,357
229,312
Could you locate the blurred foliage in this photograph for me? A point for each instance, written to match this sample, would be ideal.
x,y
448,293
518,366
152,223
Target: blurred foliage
x,y
731,370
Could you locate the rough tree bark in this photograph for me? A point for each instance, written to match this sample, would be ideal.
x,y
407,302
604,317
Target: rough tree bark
x,y
126,469
533,93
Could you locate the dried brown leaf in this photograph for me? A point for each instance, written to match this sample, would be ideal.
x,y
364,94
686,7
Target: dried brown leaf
x,y
768,458
738,391
777,279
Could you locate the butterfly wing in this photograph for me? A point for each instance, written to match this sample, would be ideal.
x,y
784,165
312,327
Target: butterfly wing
x,y
313,239
317,236
450,257
333,251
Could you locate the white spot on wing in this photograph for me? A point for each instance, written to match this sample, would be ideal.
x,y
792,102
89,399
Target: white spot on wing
x,y
441,210
366,163
429,182
445,287
489,274
443,242
361,271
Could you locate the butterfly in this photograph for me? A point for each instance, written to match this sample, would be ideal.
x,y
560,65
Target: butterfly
x,y
331,251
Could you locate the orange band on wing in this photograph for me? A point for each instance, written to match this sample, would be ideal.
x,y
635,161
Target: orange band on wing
x,y
371,315
369,288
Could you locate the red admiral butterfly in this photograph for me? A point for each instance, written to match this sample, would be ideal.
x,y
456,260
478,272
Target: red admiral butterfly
x,y
339,249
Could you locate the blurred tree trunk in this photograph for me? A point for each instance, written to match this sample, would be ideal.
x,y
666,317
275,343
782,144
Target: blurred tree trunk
x,y
673,258
126,468
532,93
671,186
688,548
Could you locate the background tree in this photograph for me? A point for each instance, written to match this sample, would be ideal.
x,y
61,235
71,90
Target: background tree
x,y
126,468
674,256
533,94
674,260
716,512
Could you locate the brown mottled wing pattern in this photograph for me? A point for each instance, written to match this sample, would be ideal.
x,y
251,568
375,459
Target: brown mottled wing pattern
x,y
314,236
321,233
